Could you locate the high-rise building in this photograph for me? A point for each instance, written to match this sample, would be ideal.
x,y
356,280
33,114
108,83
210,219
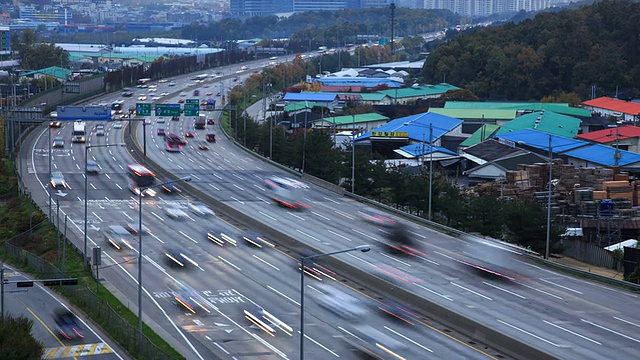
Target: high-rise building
x,y
248,8
5,40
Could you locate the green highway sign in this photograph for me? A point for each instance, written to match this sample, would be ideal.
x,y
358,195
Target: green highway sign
x,y
143,109
192,107
167,109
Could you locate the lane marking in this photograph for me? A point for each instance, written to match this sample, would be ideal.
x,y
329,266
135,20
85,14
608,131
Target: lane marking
x,y
294,215
471,291
320,215
571,332
528,333
394,259
237,200
228,262
305,234
238,187
213,186
416,234
542,291
365,234
333,201
266,262
283,295
270,217
406,338
96,215
433,292
626,321
611,331
505,290
561,286
343,214
339,235
187,236
322,346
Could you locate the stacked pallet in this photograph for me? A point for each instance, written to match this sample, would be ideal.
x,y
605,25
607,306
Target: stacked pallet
x,y
635,185
618,190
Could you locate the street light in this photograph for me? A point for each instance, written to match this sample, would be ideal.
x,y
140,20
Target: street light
x,y
353,154
546,250
140,192
86,179
303,261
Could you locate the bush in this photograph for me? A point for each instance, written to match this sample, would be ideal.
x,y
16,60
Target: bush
x,y
16,340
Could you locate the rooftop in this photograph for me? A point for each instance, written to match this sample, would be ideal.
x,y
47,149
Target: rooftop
x,y
625,107
419,127
611,134
546,121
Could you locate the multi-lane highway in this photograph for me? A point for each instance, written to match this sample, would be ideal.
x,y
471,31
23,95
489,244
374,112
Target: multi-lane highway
x,y
566,316
40,305
231,279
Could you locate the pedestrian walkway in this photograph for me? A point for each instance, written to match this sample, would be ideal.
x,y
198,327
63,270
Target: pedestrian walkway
x,y
576,264
76,350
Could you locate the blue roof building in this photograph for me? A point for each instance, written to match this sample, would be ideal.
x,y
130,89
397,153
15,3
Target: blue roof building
x,y
426,152
417,128
602,155
540,140
358,81
311,96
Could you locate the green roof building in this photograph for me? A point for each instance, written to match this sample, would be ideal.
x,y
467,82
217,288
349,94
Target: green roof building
x,y
560,108
547,121
54,71
485,132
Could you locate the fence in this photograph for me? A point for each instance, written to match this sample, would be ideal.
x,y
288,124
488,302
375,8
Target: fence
x,y
94,306
591,254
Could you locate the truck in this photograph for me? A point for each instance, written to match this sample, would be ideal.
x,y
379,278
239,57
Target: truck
x,y
211,105
201,122
79,132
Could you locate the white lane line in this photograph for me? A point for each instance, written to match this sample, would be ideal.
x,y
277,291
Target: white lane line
x,y
238,187
571,332
259,187
221,348
270,217
343,214
433,292
561,286
294,215
365,234
202,167
78,166
119,187
469,290
611,331
157,238
355,257
263,200
96,215
227,160
406,338
129,217
108,177
187,236
94,188
505,290
283,295
156,215
626,321
154,264
320,215
542,291
528,333
394,259
418,235
305,234
79,198
213,186
228,262
322,346
218,176
237,176
266,262
339,235
237,200
195,177
333,201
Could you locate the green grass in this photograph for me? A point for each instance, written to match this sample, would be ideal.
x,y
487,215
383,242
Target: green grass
x,y
14,219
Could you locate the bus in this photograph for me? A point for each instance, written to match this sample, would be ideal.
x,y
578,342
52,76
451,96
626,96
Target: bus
x,y
140,175
200,77
143,81
79,132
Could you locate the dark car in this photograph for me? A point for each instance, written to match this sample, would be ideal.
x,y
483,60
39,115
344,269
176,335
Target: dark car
x,y
189,134
191,300
196,92
222,235
55,124
175,118
178,257
119,237
203,146
267,321
401,242
175,139
211,122
256,239
211,138
67,324
161,132
170,187
173,147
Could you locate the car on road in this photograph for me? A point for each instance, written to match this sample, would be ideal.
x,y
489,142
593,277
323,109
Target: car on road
x,y
183,94
119,237
235,79
191,300
100,132
118,125
175,148
170,187
93,167
196,92
58,143
55,124
190,134
267,322
377,217
218,93
211,137
164,94
255,71
175,212
161,132
175,118
173,138
57,180
162,81
208,93
142,98
178,257
211,121
199,208
171,83
339,302
374,343
136,190
67,324
203,145
133,229
160,120
256,239
181,101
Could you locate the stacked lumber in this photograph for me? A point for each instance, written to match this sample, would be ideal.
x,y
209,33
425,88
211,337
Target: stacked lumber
x,y
618,190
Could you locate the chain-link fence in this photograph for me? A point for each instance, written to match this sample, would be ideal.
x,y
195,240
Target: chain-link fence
x,y
95,307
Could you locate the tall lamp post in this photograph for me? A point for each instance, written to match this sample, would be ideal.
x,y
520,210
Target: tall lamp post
x,y
546,250
140,192
353,154
430,169
303,262
86,180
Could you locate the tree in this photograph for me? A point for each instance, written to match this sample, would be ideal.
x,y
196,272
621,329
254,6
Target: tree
x,y
16,340
35,55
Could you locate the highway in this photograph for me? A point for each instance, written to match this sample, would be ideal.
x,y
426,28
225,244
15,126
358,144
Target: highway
x,y
39,304
231,279
566,316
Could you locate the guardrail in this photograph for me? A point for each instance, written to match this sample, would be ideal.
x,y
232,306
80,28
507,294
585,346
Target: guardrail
x,y
471,328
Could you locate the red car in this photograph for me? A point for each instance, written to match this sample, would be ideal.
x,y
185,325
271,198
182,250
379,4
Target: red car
x,y
203,146
189,134
181,101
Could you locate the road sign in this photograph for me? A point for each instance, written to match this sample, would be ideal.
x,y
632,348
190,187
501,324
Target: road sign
x,y
143,109
83,113
167,109
192,107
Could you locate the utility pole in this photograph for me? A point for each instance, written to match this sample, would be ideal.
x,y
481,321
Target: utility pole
x,y
392,7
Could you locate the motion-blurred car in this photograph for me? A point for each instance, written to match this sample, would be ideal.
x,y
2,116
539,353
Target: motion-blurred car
x,y
374,343
57,180
267,322
221,235
173,148
256,239
183,94
161,132
192,301
287,193
57,143
55,124
175,118
189,134
67,324
203,145
170,187
179,257
376,217
208,93
173,138
200,208
339,302
118,237
314,269
92,167
133,229
117,125
136,190
175,213
211,138
401,242
171,83
398,311
196,92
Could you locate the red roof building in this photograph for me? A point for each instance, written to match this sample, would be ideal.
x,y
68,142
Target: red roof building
x,y
626,137
605,106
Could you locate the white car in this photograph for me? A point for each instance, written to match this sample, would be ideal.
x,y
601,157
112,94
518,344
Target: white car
x,y
200,209
118,125
142,98
160,120
175,213
164,94
171,84
183,94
